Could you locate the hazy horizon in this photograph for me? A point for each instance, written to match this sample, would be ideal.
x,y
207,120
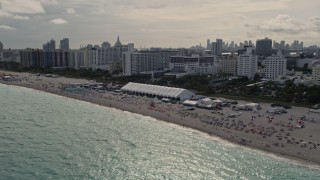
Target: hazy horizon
x,y
150,23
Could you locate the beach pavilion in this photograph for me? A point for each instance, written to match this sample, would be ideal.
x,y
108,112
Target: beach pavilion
x,y
175,94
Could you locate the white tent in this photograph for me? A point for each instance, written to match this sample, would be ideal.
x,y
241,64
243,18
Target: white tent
x,y
157,91
205,101
190,103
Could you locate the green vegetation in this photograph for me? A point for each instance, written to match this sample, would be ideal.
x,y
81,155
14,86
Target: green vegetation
x,y
11,66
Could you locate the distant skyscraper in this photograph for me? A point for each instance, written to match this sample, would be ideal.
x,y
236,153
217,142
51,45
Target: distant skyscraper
x,y
105,45
301,45
118,43
214,48
276,45
241,45
1,46
1,51
282,45
50,46
250,43
264,47
208,44
246,43
219,46
231,45
64,44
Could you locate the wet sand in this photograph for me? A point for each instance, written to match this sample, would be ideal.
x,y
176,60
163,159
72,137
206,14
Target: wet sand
x,y
274,133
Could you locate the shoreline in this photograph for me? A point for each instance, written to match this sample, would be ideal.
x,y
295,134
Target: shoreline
x,y
185,120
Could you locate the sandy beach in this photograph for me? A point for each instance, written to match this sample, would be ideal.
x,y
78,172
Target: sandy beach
x,y
274,133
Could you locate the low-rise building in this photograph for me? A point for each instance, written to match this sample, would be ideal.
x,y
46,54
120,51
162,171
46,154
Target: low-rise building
x,y
193,65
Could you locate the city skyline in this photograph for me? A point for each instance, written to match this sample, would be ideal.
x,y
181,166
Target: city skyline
x,y
175,23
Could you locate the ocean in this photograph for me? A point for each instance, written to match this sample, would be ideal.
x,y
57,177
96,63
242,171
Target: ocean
x,y
45,136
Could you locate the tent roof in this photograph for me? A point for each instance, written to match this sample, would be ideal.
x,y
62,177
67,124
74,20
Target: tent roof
x,y
156,90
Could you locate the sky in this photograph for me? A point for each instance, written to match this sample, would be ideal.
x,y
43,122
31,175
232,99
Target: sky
x,y
157,23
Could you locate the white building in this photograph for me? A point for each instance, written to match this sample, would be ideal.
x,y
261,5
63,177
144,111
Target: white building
x,y
193,65
93,58
316,74
274,66
247,64
143,61
108,57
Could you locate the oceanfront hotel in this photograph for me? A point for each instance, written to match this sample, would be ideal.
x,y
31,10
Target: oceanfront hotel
x,y
267,58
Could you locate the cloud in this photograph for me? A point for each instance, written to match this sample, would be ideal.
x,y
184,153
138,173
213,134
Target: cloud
x,y
59,21
98,11
22,6
5,27
4,14
315,20
283,23
21,17
315,23
8,15
71,10
49,2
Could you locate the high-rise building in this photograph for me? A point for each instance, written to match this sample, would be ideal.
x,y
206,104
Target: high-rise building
x,y
276,45
316,74
247,64
1,47
108,57
231,45
56,58
1,51
282,44
50,45
301,45
143,61
105,45
11,55
208,44
264,47
64,44
219,47
274,66
229,64
214,48
31,58
118,43
250,43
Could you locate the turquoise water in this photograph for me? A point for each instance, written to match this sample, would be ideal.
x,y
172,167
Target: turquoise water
x,y
44,136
